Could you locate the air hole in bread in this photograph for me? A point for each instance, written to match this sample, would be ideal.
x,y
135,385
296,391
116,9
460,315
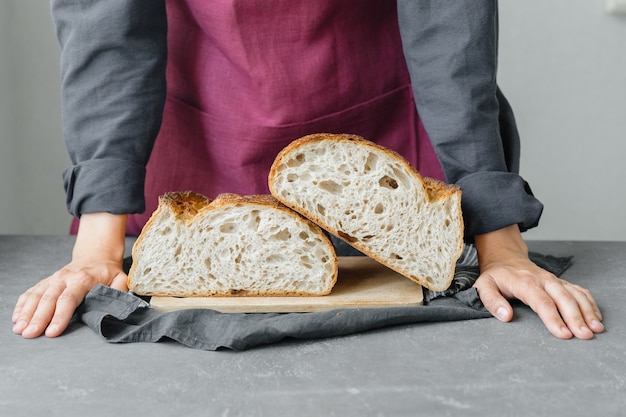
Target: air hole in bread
x,y
256,219
367,237
396,256
275,258
346,236
253,215
166,230
388,182
401,177
330,186
291,177
379,208
321,209
306,262
447,222
228,227
303,235
238,258
370,162
284,234
296,161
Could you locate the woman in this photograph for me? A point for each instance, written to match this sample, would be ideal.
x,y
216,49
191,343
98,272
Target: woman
x,y
224,85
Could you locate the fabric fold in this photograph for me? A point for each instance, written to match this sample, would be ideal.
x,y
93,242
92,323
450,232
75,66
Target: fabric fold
x,y
121,317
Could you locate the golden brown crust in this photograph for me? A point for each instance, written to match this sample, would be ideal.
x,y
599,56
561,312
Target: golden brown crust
x,y
225,199
184,204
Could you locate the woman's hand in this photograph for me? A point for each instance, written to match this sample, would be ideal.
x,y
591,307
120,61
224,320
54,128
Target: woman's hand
x,y
96,259
566,309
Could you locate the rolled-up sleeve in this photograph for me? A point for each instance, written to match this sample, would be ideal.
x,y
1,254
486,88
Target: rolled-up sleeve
x,y
113,59
451,52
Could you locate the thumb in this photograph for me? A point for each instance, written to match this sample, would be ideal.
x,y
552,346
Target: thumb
x,y
492,298
120,282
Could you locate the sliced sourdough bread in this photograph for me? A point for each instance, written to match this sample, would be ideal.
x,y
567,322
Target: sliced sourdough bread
x,y
234,245
373,199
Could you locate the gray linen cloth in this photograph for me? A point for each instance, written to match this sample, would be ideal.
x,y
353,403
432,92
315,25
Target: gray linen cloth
x,y
121,317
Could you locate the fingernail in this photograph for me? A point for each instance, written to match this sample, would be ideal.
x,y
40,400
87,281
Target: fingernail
x,y
566,332
19,326
585,329
501,313
52,329
597,325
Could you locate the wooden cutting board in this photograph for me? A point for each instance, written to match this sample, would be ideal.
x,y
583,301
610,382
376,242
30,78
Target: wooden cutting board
x,y
361,283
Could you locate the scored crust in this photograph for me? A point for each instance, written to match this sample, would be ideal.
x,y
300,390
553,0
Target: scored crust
x,y
434,188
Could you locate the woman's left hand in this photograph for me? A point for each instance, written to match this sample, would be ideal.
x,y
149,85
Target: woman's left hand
x,y
506,272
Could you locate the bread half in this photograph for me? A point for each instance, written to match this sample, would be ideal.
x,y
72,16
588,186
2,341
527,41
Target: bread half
x,y
373,199
234,245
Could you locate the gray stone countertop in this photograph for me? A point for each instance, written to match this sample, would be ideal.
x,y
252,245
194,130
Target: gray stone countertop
x,y
468,368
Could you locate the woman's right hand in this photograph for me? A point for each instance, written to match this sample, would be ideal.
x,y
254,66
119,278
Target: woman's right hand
x,y
97,258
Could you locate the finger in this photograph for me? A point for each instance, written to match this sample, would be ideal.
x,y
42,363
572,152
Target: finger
x,y
19,305
587,306
44,311
545,307
26,307
120,282
492,299
584,298
593,320
66,304
569,309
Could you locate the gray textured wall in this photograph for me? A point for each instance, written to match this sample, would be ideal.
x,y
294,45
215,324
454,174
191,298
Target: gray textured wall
x,y
562,66
32,153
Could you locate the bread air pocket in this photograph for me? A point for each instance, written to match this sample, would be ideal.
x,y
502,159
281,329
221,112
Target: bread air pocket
x,y
231,246
373,199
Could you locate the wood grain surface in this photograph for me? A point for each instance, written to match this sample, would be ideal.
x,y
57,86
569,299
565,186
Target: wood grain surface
x,y
361,283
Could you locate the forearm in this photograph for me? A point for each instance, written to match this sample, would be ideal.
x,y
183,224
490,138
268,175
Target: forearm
x,y
102,235
113,58
505,243
451,53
